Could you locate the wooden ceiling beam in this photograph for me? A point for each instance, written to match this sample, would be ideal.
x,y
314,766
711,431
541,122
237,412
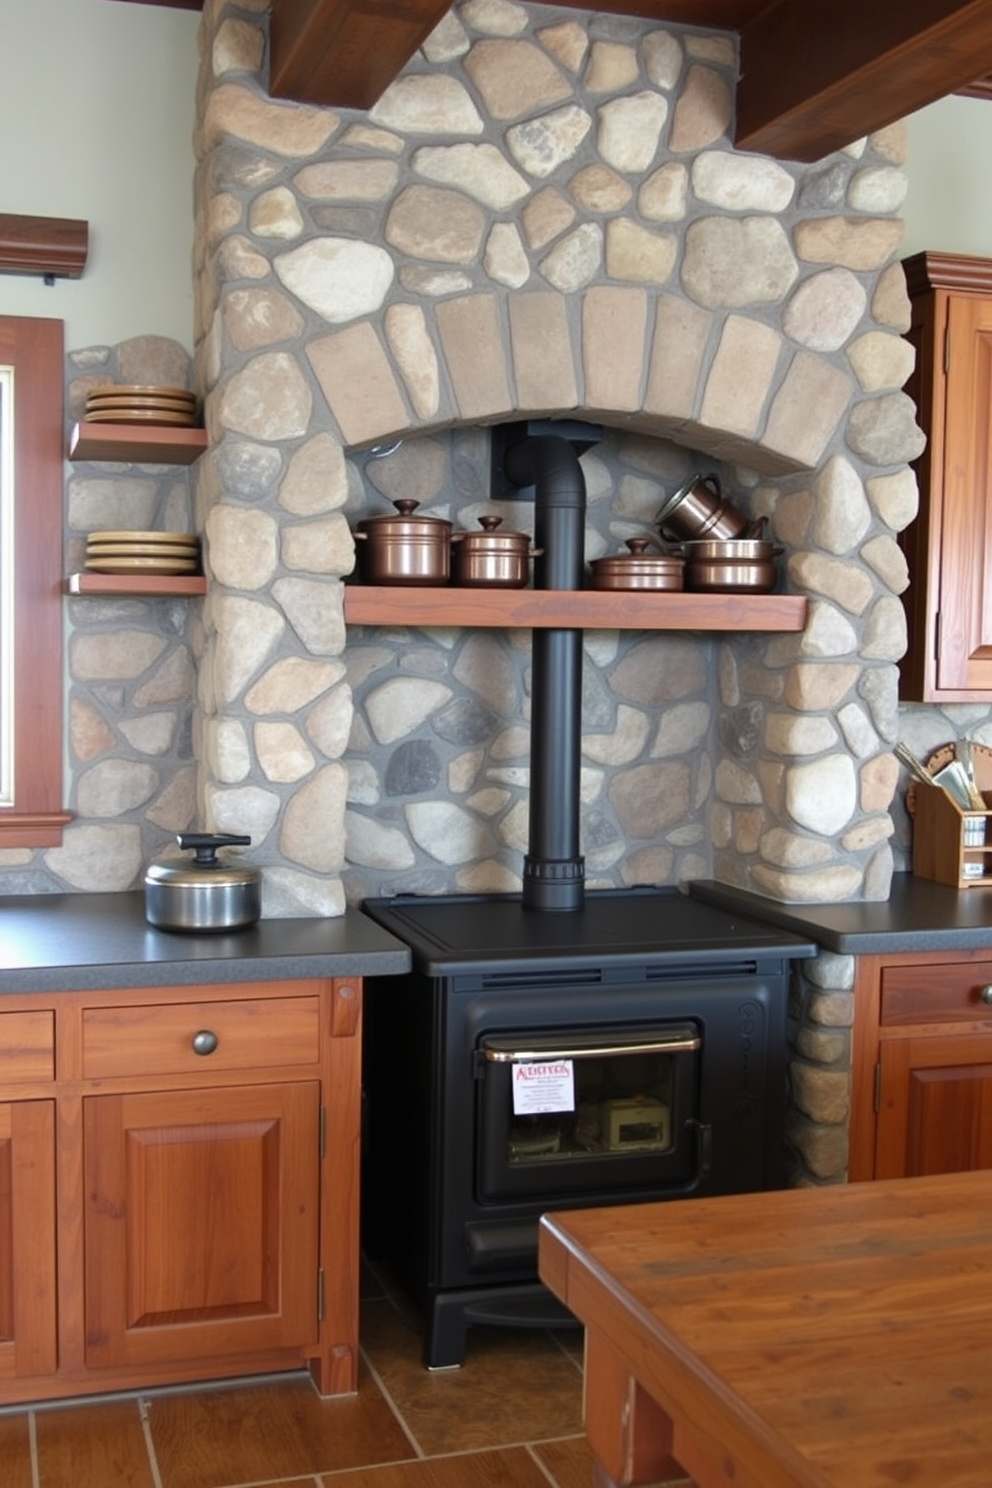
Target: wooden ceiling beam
x,y
345,52
817,74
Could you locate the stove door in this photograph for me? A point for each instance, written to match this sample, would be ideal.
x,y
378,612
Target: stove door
x,y
580,1113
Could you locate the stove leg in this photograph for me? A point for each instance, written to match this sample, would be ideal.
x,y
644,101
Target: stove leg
x,y
447,1333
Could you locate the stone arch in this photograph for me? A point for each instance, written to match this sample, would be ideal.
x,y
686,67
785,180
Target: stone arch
x,y
727,384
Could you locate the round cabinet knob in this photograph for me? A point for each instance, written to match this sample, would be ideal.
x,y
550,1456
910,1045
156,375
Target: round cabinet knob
x,y
985,995
204,1042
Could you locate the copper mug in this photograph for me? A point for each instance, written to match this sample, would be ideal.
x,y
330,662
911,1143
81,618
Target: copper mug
x,y
699,509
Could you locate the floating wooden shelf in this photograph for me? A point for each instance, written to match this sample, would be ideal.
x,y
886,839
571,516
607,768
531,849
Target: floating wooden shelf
x,y
142,444
147,586
581,609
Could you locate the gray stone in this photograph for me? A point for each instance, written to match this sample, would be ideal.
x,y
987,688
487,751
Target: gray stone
x,y
540,146
414,767
465,721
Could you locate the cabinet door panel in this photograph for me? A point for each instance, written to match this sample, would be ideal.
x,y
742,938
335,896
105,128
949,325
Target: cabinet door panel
x,y
935,1113
964,652
201,1221
27,1239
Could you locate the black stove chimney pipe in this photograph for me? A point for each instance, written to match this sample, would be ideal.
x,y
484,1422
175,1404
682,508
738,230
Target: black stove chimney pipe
x,y
545,455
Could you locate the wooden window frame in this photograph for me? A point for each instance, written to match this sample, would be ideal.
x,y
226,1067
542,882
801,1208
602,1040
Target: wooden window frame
x,y
35,349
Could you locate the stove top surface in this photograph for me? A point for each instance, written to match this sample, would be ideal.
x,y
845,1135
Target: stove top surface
x,y
460,932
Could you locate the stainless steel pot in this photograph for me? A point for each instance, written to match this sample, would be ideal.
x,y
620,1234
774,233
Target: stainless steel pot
x,y
739,566
203,894
405,549
637,569
699,509
490,558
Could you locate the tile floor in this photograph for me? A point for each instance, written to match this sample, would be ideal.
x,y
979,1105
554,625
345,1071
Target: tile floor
x,y
511,1417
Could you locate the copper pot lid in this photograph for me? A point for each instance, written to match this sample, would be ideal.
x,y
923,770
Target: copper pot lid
x,y
403,522
490,540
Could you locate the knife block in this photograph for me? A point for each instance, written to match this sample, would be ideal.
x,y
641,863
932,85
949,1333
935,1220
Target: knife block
x,y
950,845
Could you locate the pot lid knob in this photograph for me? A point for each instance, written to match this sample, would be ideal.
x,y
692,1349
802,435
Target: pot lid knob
x,y
638,544
205,844
490,522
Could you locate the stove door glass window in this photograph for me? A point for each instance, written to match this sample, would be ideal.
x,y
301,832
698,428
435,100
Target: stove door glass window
x,y
558,1108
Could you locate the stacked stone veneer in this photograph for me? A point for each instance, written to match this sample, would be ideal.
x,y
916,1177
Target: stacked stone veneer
x,y
544,215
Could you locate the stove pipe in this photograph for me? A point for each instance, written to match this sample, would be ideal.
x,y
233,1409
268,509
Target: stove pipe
x,y
545,455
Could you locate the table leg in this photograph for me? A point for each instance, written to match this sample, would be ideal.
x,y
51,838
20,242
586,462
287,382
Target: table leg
x,y
629,1434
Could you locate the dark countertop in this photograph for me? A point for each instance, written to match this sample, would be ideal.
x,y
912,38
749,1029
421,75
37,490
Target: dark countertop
x,y
70,942
917,916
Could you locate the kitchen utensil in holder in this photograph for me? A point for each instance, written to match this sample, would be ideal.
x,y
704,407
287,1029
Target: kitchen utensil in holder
x,y
951,845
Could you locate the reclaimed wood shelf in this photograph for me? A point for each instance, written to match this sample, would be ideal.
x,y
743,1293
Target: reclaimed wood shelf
x,y
579,609
143,444
147,586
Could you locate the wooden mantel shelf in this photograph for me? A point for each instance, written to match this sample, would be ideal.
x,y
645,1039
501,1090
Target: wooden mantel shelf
x,y
581,609
148,586
142,444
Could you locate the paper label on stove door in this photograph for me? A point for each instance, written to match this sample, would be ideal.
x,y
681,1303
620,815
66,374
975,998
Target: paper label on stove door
x,y
538,1087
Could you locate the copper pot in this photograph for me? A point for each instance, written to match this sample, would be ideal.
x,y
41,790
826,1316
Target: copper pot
x,y
405,549
699,509
744,566
637,569
490,558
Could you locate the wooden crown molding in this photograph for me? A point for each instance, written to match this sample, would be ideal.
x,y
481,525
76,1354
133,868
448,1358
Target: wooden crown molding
x,y
54,247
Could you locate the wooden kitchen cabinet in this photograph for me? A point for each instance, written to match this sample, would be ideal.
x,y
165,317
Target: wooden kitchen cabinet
x,y
178,1186
949,546
922,1065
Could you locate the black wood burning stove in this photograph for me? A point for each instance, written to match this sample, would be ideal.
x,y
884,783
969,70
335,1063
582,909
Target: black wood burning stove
x,y
533,1061
558,1048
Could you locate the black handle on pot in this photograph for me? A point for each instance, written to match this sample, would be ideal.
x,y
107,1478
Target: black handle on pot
x,y
205,844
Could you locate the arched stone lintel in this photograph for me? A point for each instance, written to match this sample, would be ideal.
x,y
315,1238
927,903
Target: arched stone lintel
x,y
487,377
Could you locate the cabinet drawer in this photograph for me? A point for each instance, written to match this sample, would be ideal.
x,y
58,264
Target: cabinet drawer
x,y
27,1047
258,1033
946,992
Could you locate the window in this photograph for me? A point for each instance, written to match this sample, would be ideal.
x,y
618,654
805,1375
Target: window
x,y
31,436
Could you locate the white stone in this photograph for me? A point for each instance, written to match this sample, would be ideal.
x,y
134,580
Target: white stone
x,y
289,894
291,683
328,723
282,752
238,46
447,41
664,195
247,633
315,610
881,360
885,637
822,795
97,858
505,260
540,146
741,183
825,309
798,733
896,498
480,170
841,512
241,546
878,189
662,58
151,734
339,278
397,707
112,787
447,832
629,130
226,749
373,844
276,215
323,545
246,810
729,262
574,261
859,735
828,632
434,104
269,399
312,832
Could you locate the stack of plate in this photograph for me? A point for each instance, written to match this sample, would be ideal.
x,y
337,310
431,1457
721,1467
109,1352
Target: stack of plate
x,y
143,552
134,403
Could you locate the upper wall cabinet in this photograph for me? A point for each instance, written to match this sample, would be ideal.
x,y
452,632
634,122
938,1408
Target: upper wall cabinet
x,y
949,547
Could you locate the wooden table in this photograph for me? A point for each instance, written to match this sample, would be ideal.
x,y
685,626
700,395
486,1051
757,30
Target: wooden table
x,y
837,1337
